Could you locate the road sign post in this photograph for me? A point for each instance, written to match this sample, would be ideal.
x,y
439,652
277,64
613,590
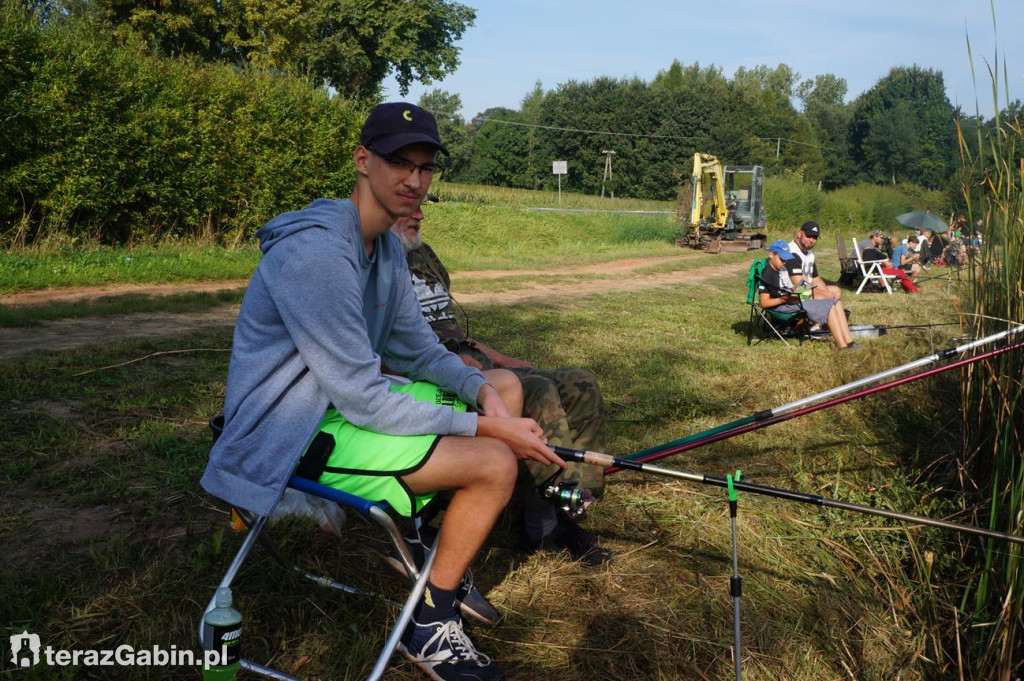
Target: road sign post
x,y
560,168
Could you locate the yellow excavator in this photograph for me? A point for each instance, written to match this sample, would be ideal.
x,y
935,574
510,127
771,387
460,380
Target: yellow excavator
x,y
726,207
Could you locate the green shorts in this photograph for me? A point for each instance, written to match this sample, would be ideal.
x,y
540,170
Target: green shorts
x,y
371,465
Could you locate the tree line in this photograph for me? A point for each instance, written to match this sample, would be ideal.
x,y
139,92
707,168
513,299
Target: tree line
x,y
902,130
130,121
127,121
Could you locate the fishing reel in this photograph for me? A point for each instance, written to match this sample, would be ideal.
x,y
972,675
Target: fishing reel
x,y
566,495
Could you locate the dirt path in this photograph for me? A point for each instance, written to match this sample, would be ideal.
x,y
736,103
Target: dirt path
x,y
66,334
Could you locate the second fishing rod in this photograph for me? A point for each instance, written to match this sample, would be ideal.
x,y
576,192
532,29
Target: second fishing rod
x,y
821,400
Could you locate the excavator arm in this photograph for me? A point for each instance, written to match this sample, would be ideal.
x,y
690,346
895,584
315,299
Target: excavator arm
x,y
713,223
708,211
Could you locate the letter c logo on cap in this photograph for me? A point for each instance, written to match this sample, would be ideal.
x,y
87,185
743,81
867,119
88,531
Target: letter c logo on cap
x,y
407,115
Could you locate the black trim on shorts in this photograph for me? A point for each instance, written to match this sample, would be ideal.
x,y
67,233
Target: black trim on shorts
x,y
311,465
396,474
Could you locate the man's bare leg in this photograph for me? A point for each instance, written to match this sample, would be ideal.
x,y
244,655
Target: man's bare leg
x,y
827,292
509,387
481,472
838,326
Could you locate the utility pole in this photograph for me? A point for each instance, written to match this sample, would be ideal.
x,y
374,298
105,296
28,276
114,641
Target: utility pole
x,y
607,170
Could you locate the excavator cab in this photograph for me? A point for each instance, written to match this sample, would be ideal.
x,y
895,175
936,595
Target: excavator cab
x,y
744,191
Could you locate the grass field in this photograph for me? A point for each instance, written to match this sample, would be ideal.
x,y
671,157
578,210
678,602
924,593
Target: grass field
x,y
109,539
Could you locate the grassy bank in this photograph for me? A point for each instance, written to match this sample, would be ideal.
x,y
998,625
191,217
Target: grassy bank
x,y
472,236
476,227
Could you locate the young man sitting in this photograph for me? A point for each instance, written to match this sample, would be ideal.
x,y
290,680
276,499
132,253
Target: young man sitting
x,y
329,302
904,258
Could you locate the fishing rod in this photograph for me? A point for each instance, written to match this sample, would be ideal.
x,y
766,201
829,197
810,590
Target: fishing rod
x,y
608,461
799,407
750,425
929,325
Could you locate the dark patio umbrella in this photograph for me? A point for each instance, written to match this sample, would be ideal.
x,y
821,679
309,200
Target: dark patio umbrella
x,y
922,219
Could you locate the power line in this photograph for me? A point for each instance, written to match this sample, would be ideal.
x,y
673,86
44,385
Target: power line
x,y
593,132
786,139
636,134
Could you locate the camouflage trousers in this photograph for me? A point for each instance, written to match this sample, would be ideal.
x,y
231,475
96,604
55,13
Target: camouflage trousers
x,y
568,405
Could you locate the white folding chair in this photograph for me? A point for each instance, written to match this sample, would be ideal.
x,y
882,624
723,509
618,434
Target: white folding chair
x,y
872,269
372,510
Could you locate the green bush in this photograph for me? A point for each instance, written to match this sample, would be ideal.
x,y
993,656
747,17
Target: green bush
x,y
849,211
109,143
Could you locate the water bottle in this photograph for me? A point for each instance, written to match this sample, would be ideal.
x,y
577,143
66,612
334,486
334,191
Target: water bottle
x,y
222,632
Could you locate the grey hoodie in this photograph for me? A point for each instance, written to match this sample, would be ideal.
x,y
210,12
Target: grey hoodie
x,y
316,321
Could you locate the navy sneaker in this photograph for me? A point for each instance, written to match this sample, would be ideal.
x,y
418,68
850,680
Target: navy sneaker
x,y
470,601
444,652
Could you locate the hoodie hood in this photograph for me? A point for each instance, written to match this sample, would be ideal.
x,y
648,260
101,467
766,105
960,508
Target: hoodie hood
x,y
337,215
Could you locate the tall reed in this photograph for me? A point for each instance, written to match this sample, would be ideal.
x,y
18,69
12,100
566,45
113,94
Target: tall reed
x,y
992,183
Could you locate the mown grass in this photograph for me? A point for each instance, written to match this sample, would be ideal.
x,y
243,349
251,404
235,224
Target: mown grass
x,y
58,265
475,227
526,198
110,540
33,315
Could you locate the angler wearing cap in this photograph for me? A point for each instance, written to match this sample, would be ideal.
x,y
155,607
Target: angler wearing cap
x,y
330,300
803,270
567,403
871,248
778,292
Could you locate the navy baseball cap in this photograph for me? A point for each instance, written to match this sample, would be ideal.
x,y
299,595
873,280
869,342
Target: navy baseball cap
x,y
810,228
394,125
780,248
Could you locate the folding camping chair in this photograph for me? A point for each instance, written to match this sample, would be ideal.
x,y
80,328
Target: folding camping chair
x,y
848,267
372,510
764,323
872,272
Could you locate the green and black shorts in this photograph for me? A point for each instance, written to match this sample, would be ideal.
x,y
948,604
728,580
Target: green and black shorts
x,y
371,465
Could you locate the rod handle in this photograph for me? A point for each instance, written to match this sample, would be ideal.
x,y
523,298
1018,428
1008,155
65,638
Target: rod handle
x,y
584,456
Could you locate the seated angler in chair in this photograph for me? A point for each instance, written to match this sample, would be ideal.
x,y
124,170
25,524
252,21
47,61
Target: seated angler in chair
x,y
904,257
802,266
871,249
330,299
567,403
777,292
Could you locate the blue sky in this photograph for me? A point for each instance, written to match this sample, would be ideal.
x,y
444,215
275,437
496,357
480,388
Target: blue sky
x,y
513,44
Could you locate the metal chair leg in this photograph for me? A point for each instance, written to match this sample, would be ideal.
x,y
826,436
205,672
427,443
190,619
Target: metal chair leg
x,y
255,534
404,617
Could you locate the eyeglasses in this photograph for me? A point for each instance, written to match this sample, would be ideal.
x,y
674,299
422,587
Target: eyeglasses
x,y
399,163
